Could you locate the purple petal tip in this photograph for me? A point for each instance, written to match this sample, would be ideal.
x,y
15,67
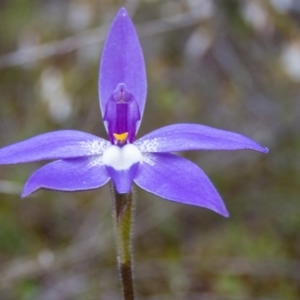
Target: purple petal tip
x,y
122,12
225,214
26,193
261,149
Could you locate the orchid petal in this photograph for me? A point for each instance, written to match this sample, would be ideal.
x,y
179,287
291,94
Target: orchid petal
x,y
174,178
122,179
76,174
53,145
182,137
121,165
122,62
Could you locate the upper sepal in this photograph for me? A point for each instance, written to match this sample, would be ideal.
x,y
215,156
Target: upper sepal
x,y
122,62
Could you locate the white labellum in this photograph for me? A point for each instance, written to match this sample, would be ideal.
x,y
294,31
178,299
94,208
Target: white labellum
x,y
121,158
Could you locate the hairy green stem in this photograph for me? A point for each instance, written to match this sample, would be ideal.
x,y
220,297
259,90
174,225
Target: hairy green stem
x,y
123,218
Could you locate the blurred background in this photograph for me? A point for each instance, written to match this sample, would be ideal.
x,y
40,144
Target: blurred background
x,y
228,64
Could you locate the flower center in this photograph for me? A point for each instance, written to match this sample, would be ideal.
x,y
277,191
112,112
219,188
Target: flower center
x,y
121,114
121,138
121,158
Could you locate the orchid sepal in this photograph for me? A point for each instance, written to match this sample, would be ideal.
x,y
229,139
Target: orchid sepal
x,y
53,145
185,137
122,62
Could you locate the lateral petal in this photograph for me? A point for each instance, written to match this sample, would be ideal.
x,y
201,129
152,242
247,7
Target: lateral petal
x,y
177,179
53,145
122,62
76,174
182,137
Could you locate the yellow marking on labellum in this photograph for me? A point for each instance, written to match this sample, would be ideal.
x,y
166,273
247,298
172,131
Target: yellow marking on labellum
x,y
121,137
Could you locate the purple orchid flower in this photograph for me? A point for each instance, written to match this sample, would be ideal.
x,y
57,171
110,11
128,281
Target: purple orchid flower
x,y
83,161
